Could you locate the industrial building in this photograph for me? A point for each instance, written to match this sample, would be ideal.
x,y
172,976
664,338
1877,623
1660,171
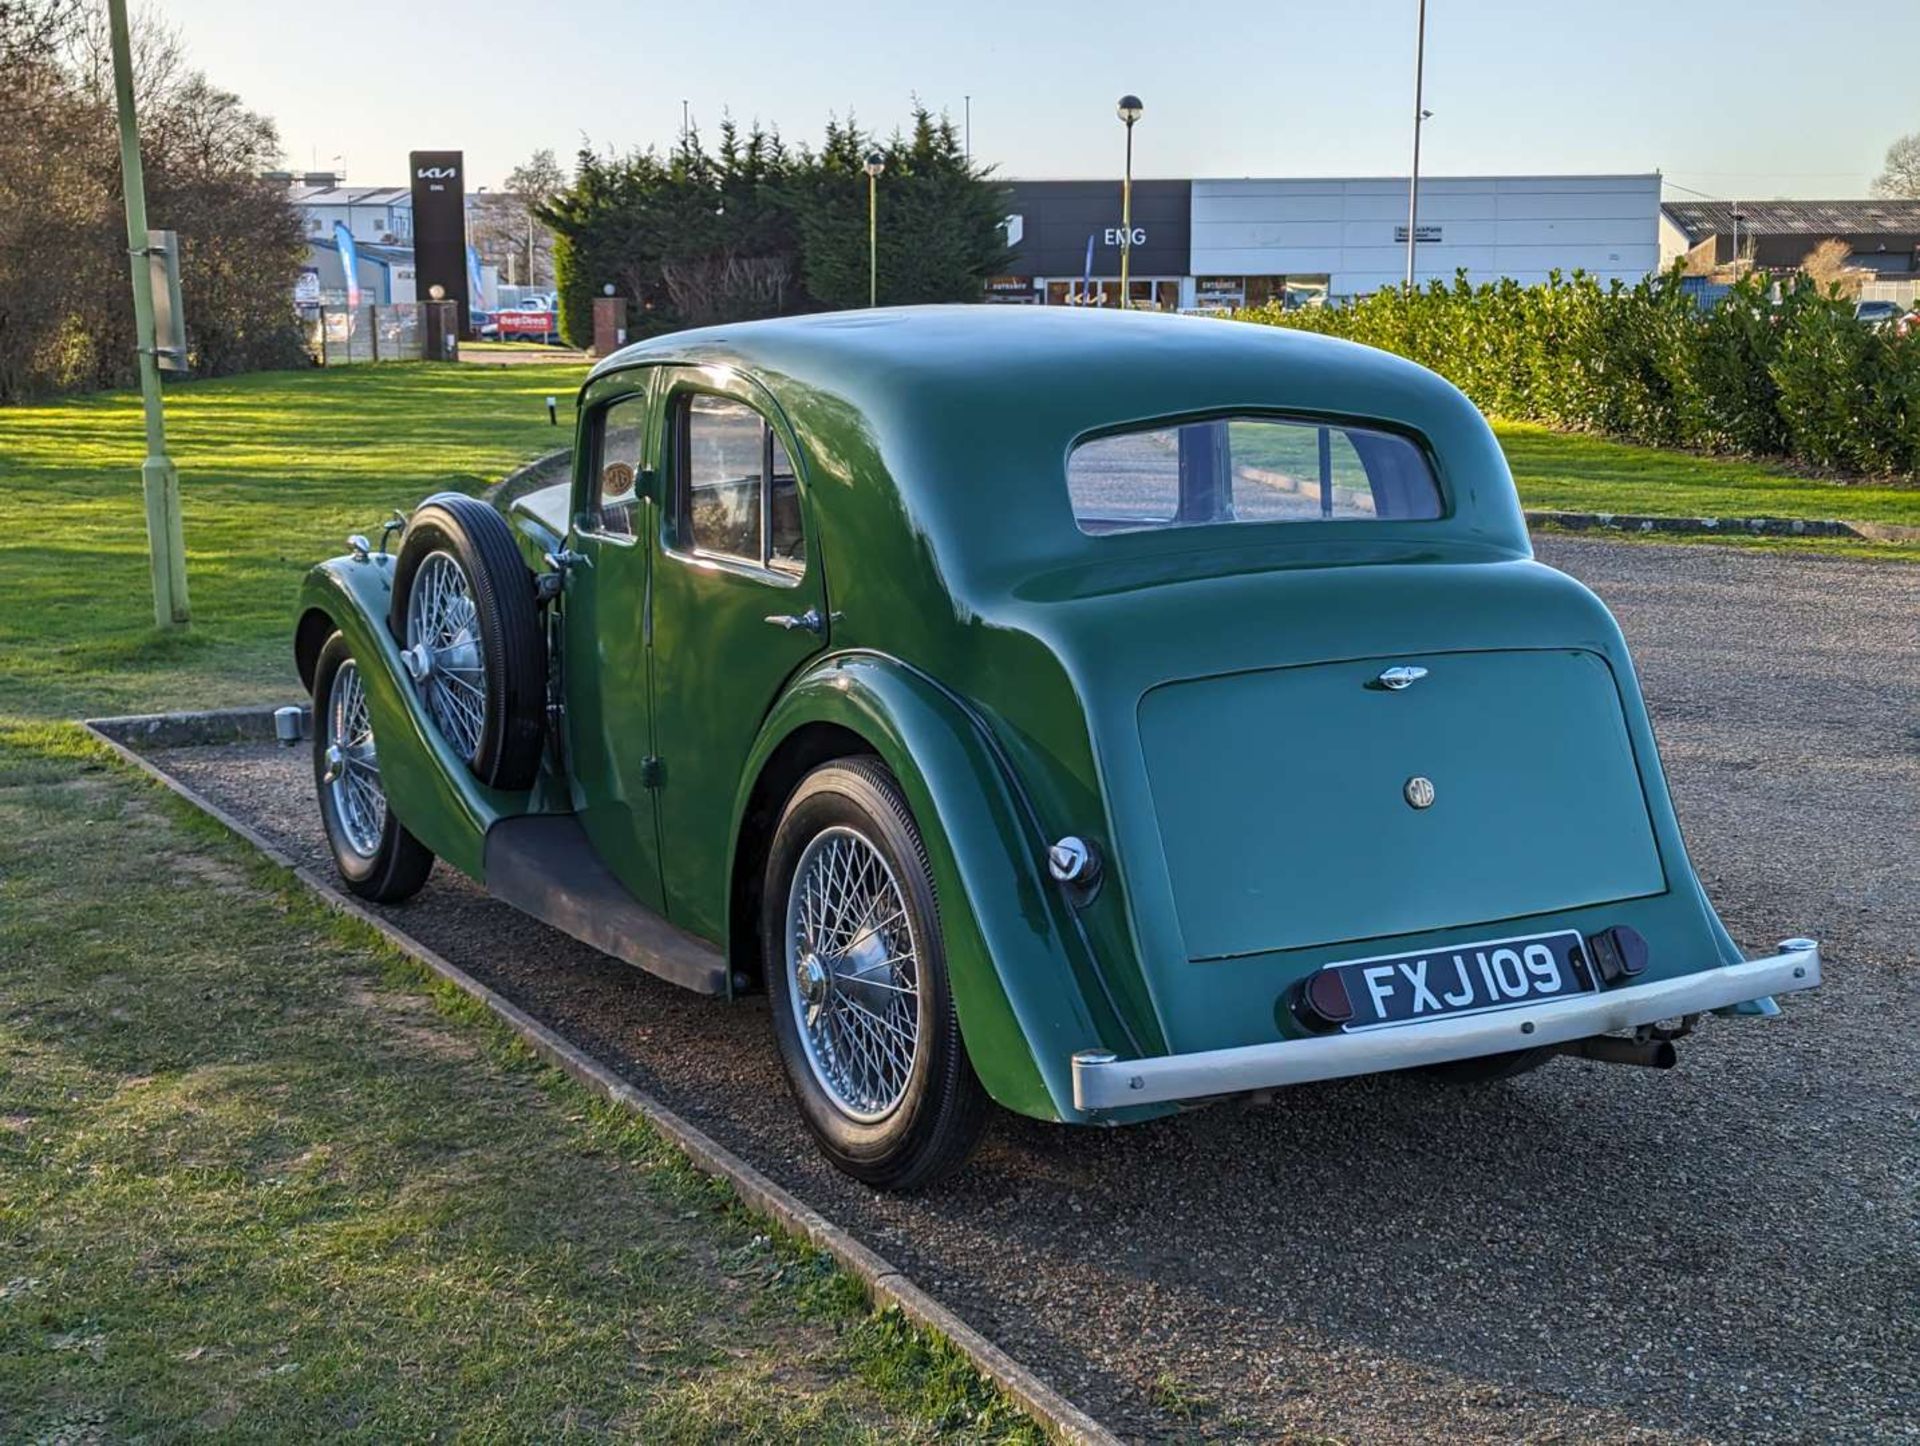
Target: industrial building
x,y
1227,243
1882,237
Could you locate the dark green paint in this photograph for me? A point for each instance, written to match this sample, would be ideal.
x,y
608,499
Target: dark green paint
x,y
718,668
1316,762
606,670
429,786
1005,665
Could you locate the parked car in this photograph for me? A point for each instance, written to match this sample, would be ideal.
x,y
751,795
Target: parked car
x,y
1093,712
1877,313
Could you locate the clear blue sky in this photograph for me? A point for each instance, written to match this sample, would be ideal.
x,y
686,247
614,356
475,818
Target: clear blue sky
x,y
1761,99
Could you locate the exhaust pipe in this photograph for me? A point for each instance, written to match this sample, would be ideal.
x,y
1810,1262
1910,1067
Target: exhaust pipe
x,y
1610,1049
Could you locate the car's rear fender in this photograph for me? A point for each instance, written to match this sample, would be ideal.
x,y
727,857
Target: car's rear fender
x,y
1024,983
429,787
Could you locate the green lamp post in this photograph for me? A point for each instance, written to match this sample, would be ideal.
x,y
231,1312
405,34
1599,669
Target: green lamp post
x,y
166,547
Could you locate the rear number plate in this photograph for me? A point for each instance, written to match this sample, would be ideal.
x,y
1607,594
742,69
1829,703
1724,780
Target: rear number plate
x,y
1464,979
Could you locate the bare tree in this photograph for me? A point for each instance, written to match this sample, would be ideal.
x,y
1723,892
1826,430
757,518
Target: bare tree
x,y
538,179
1902,174
33,30
507,230
1827,267
65,313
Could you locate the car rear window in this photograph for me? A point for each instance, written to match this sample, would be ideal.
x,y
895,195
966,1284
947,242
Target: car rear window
x,y
1248,469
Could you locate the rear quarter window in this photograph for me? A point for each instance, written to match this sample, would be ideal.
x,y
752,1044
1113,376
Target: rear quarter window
x,y
1248,469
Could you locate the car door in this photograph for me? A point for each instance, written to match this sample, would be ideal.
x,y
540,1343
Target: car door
x,y
604,620
739,603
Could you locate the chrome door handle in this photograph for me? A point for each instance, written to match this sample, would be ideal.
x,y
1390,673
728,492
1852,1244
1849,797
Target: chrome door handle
x,y
1394,679
808,621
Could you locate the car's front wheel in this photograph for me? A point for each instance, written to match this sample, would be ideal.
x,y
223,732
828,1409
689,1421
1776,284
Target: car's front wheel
x,y
857,974
375,855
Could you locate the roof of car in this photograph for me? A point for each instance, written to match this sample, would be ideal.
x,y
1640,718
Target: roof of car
x,y
974,408
945,339
1128,364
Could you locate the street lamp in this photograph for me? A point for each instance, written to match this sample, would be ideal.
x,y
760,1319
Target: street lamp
x,y
1129,110
1419,119
876,163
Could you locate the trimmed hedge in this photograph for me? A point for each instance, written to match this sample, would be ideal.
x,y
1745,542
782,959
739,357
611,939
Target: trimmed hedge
x,y
1791,375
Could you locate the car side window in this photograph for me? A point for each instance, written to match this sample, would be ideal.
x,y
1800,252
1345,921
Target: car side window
x,y
738,495
621,448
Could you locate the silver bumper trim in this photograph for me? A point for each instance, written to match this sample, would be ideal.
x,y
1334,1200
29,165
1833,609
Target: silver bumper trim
x,y
1102,1082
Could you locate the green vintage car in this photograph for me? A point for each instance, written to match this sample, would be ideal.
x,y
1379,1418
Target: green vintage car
x,y
1098,713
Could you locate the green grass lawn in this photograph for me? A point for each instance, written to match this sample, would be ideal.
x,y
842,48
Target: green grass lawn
x,y
262,1179
1566,472
275,470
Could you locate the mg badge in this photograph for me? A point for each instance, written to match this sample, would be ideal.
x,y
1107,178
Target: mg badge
x,y
1419,792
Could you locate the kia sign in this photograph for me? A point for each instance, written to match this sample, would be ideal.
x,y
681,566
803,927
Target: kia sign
x,y
440,227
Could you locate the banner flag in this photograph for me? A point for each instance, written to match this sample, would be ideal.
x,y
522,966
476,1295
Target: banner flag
x,y
349,263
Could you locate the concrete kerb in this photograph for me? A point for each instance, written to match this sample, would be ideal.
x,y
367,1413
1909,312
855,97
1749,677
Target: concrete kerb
x,y
885,1283
1724,526
187,730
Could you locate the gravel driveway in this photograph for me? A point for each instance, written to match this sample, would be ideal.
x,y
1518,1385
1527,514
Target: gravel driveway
x,y
1726,1251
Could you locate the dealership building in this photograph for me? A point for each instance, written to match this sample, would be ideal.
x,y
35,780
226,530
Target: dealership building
x,y
1206,244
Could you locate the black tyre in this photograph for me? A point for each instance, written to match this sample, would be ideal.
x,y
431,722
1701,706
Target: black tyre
x,y
1489,1068
377,858
857,975
466,615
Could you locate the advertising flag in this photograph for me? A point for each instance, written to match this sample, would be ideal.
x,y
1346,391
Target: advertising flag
x,y
474,289
349,263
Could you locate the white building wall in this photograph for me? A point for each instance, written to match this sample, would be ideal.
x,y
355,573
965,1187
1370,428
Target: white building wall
x,y
1493,226
390,214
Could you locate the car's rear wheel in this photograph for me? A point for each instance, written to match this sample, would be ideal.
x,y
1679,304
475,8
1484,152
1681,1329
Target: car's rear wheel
x,y
465,614
858,982
374,854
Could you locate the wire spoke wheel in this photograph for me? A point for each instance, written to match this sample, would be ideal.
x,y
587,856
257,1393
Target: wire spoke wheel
x,y
853,974
353,764
445,655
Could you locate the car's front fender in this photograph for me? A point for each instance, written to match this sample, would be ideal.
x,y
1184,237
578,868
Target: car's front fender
x,y
1023,981
429,786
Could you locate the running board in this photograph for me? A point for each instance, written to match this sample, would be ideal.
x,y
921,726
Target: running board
x,y
544,865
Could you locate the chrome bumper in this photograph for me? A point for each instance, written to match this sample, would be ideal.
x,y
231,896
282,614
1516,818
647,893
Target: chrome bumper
x,y
1102,1082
